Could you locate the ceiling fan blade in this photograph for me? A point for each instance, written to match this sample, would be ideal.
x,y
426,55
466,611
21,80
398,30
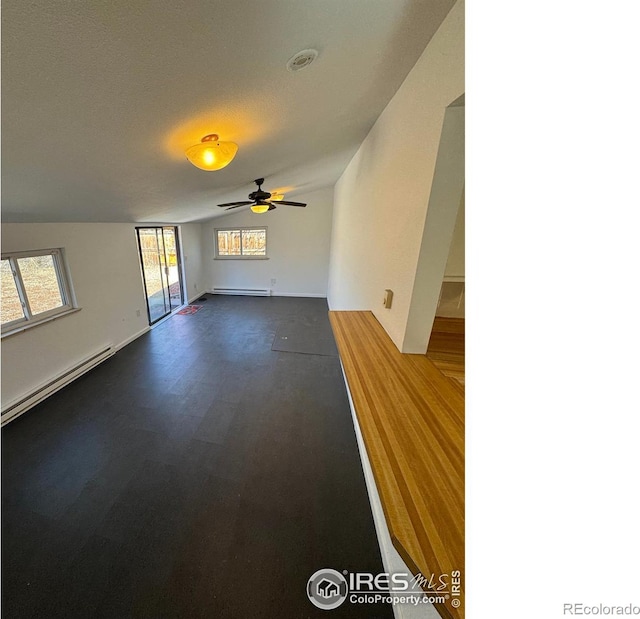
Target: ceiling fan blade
x,y
236,203
288,203
272,207
237,206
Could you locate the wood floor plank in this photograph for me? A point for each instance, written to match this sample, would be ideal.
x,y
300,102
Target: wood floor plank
x,y
446,348
412,420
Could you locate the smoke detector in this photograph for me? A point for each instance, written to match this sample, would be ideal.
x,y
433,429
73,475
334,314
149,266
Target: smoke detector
x,y
302,59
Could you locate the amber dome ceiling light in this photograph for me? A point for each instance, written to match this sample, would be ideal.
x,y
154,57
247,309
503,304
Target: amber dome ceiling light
x,y
261,206
211,154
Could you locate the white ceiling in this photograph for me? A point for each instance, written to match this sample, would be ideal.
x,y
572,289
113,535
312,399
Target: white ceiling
x,y
100,98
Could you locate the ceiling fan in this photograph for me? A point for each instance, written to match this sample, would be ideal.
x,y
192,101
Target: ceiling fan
x,y
259,200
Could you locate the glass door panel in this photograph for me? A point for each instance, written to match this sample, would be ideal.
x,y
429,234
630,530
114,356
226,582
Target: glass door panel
x,y
159,257
172,267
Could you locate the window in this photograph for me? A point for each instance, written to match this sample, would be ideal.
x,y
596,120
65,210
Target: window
x,y
35,288
241,243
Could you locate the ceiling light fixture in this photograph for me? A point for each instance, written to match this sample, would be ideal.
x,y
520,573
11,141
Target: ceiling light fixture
x,y
260,207
276,196
211,154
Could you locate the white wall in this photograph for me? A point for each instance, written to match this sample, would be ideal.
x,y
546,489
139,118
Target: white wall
x,y
455,261
298,241
381,199
105,272
193,260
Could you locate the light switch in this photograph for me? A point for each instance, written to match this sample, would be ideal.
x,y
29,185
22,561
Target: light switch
x,y
388,298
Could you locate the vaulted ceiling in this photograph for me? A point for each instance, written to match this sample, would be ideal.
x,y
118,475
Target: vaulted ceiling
x,y
100,99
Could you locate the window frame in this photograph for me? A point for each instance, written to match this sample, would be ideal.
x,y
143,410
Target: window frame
x,y
240,229
67,296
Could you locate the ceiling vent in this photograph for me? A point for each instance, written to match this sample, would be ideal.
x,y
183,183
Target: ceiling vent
x,y
302,59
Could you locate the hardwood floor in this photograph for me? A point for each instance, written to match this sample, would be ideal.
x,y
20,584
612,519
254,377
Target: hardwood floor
x,y
197,473
446,347
412,422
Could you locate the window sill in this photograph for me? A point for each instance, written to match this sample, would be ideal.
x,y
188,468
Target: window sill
x,y
241,258
37,323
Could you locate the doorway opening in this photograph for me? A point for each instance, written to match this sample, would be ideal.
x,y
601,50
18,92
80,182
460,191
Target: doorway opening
x,y
445,198
161,270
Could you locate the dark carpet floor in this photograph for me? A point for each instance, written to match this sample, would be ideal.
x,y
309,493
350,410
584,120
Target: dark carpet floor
x,y
197,473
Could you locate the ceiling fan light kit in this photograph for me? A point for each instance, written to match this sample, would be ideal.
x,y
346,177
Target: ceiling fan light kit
x,y
261,201
261,207
211,154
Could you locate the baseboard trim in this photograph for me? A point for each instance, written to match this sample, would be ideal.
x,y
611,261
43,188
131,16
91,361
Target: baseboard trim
x,y
310,295
241,292
197,297
26,402
58,382
135,336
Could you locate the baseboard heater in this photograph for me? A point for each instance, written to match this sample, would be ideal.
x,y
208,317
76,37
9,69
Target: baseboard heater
x,y
252,292
37,395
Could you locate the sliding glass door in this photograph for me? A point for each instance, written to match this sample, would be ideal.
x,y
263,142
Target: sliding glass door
x,y
161,272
